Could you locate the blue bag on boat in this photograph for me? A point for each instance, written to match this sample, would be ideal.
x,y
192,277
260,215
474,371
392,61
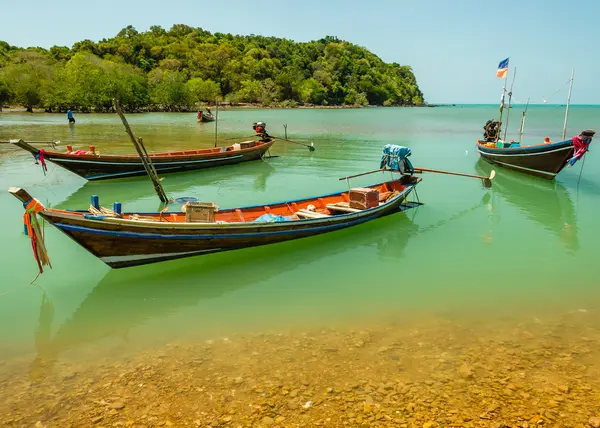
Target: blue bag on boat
x,y
396,158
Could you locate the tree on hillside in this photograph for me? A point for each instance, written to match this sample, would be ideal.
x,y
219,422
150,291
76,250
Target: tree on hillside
x,y
5,93
174,69
29,78
203,90
169,89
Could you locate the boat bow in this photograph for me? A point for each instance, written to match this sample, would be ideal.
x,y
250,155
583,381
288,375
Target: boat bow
x,y
25,146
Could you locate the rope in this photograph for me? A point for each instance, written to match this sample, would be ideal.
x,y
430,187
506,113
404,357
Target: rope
x,y
579,179
47,175
20,288
36,277
558,90
580,172
103,212
415,212
14,289
544,99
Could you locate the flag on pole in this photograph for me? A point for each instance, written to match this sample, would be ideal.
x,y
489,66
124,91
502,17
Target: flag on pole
x,y
502,68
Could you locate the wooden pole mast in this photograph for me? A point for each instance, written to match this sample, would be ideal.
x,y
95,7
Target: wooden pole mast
x,y
502,102
216,120
567,110
523,123
146,161
509,101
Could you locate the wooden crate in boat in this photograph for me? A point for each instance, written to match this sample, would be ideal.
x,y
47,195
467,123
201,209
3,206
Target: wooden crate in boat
x,y
247,144
199,212
363,198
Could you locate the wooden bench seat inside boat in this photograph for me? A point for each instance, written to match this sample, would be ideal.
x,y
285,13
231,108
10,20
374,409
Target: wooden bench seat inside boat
x,y
343,207
310,214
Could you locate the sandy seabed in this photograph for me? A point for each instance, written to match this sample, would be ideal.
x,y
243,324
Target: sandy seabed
x,y
421,372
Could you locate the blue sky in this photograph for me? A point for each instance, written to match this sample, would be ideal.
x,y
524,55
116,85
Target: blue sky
x,y
453,46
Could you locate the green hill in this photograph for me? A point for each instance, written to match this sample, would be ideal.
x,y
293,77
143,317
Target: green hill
x,y
176,69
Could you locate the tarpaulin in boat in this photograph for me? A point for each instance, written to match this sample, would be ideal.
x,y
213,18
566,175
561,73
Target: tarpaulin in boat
x,y
272,218
396,157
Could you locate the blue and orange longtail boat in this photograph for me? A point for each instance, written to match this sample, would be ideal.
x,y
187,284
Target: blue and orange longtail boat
x,y
131,239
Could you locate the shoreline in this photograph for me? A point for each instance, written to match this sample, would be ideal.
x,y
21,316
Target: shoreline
x,y
21,109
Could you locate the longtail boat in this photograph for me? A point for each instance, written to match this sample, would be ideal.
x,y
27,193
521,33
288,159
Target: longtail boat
x,y
131,239
94,166
543,160
206,117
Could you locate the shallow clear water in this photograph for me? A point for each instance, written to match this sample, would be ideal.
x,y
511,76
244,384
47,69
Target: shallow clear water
x,y
526,245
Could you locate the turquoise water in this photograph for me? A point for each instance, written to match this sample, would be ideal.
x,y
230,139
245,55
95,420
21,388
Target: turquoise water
x,y
524,246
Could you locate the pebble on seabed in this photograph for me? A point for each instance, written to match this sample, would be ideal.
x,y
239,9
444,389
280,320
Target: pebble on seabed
x,y
428,373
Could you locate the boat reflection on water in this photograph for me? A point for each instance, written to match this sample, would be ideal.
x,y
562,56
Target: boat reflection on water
x,y
547,203
129,298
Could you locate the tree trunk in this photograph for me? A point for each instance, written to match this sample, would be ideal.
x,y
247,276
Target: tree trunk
x,y
29,109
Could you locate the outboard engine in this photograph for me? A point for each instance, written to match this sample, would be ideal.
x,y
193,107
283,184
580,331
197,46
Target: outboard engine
x,y
491,130
261,129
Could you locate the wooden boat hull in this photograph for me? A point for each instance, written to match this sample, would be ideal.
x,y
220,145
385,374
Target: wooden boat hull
x,y
122,242
543,160
103,167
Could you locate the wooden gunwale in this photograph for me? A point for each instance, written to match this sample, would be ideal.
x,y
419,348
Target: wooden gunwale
x,y
153,219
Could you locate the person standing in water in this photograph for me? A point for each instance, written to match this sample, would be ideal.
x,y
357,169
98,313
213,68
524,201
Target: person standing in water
x,y
70,116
